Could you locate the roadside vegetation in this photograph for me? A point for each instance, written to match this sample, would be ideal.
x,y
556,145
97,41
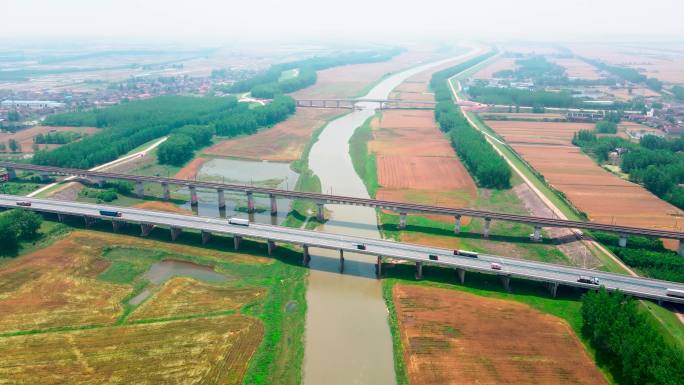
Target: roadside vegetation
x,y
627,342
365,163
15,226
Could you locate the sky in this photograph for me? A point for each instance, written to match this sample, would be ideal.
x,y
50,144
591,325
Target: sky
x,y
373,20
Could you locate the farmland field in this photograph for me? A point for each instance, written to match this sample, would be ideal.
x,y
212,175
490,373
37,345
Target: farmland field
x,y
452,337
25,137
576,68
603,196
500,64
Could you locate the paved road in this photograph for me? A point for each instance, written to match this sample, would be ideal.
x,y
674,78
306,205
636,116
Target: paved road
x,y
564,275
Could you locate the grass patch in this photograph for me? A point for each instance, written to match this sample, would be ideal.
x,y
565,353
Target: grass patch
x,y
364,163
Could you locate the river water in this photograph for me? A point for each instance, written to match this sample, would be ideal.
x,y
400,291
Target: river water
x,y
347,334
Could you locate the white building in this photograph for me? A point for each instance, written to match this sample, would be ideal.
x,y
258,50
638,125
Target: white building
x,y
32,104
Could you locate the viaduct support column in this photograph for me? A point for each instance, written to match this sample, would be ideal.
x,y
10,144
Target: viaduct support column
x,y
457,224
60,218
536,236
378,267
250,202
341,261
236,241
193,196
175,232
623,240
139,190
419,270
205,237
89,221
274,205
680,249
402,220
461,275
145,229
306,257
44,177
553,288
271,246
221,198
320,212
506,281
11,173
116,225
167,191
487,223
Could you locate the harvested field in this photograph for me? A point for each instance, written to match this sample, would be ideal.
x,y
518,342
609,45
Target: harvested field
x,y
207,351
548,133
191,170
426,173
163,206
603,196
500,64
25,137
624,94
284,142
451,337
579,69
185,296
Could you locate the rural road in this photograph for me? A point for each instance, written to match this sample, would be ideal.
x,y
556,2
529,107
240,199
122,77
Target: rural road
x,y
105,166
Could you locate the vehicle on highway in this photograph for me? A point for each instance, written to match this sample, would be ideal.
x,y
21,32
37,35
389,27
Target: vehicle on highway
x,y
588,279
495,266
238,221
361,247
433,257
464,253
108,213
675,293
24,204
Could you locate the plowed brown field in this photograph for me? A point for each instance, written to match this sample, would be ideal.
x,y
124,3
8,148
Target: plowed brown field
x,y
163,206
605,197
282,143
191,169
451,337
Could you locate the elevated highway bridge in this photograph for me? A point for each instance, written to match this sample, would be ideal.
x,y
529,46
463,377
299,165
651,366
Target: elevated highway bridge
x,y
322,199
549,274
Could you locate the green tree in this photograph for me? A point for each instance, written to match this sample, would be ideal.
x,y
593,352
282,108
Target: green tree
x,y
14,145
26,223
176,150
9,244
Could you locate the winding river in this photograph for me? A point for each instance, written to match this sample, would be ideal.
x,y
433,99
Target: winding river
x,y
347,335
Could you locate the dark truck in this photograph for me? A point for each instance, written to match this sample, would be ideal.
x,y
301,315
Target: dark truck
x,y
108,213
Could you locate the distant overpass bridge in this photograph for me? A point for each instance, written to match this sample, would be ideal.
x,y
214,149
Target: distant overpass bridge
x,y
549,274
321,199
354,103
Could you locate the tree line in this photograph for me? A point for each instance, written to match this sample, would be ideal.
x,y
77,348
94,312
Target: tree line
x,y
129,125
626,73
655,162
16,225
487,167
267,84
57,137
628,341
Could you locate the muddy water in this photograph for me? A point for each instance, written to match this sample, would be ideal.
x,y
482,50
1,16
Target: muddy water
x,y
347,334
262,174
160,272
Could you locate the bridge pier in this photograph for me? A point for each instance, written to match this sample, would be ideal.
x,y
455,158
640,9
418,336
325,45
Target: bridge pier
x,y
680,249
221,198
487,223
461,275
11,173
117,225
175,232
623,240
44,177
341,261
274,205
402,220
337,104
306,257
250,202
553,288
205,237
457,224
193,196
236,241
378,267
89,221
536,236
139,190
271,246
419,270
167,191
320,212
506,281
145,229
60,218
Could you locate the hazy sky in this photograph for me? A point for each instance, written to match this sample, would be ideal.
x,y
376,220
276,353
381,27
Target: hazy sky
x,y
356,19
